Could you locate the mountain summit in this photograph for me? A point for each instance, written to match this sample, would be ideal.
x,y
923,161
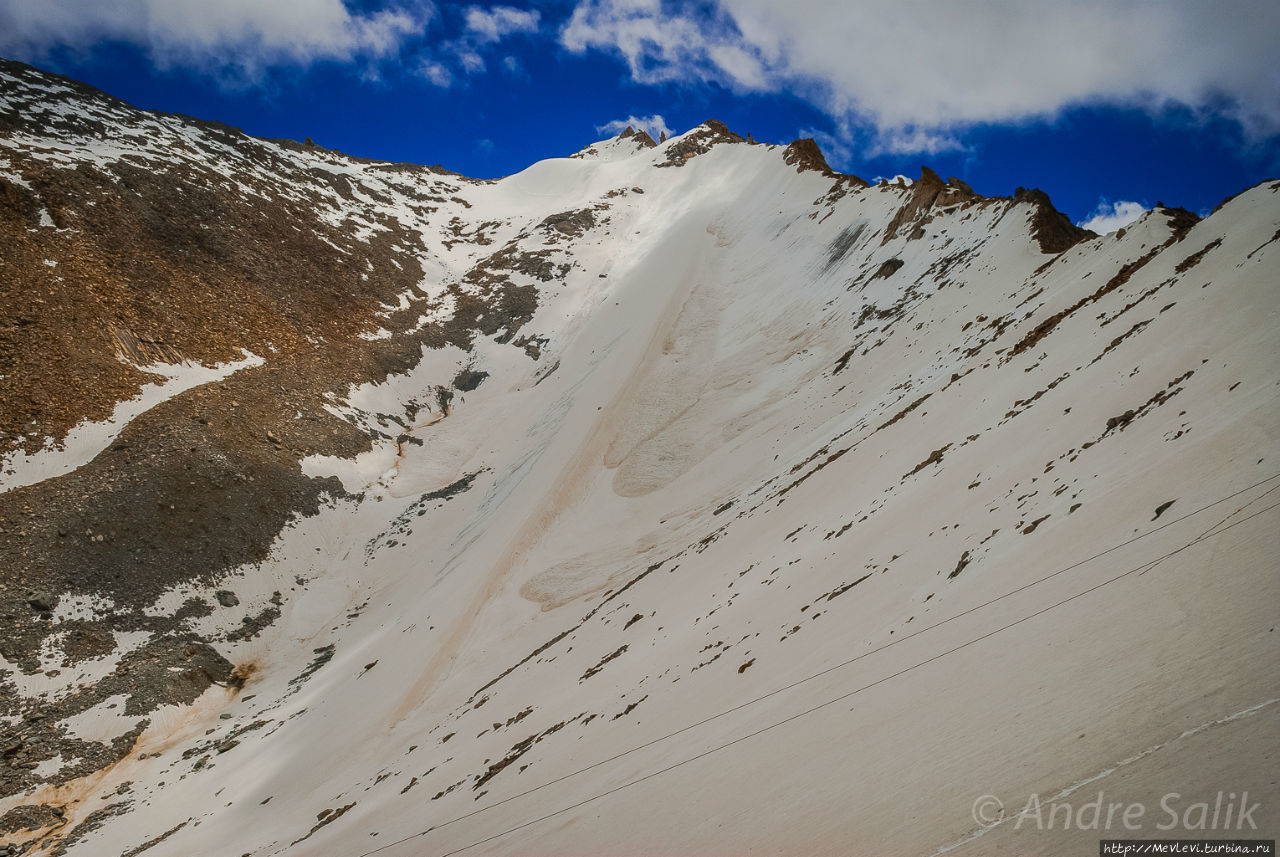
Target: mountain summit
x,y
680,497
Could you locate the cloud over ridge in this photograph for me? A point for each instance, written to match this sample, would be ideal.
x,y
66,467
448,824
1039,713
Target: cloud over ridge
x,y
894,77
655,126
242,34
914,70
1110,216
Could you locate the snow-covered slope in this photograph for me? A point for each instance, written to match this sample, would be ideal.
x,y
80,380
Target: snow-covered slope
x,y
783,515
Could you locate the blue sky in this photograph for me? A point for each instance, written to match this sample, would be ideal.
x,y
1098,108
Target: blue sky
x,y
1102,103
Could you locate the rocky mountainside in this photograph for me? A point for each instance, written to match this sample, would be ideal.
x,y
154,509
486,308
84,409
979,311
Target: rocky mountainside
x,y
680,497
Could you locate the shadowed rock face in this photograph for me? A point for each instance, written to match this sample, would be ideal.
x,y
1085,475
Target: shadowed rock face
x,y
1053,229
201,246
197,244
927,193
804,154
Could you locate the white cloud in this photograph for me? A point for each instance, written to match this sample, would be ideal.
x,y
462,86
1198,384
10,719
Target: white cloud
x,y
435,73
482,29
907,141
657,45
512,66
743,68
471,61
919,71
1110,216
246,35
655,126
493,25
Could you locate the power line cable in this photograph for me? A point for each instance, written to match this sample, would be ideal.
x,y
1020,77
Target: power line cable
x,y
842,697
1209,534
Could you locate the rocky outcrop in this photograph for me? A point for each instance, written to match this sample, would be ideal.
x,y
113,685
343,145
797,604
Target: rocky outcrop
x,y
699,141
1180,220
804,154
1052,229
146,241
641,137
928,192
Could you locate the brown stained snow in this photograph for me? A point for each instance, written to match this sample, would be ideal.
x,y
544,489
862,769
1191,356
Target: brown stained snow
x,y
173,263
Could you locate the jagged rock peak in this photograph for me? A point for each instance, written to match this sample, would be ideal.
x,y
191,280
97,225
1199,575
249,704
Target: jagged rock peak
x,y
1180,220
805,154
1051,228
928,178
721,130
628,142
926,193
699,141
641,137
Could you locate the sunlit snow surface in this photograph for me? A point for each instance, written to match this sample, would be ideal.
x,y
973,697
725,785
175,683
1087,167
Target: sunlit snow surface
x,y
756,460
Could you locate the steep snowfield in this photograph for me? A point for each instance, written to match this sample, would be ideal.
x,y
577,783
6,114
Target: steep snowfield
x,y
775,547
